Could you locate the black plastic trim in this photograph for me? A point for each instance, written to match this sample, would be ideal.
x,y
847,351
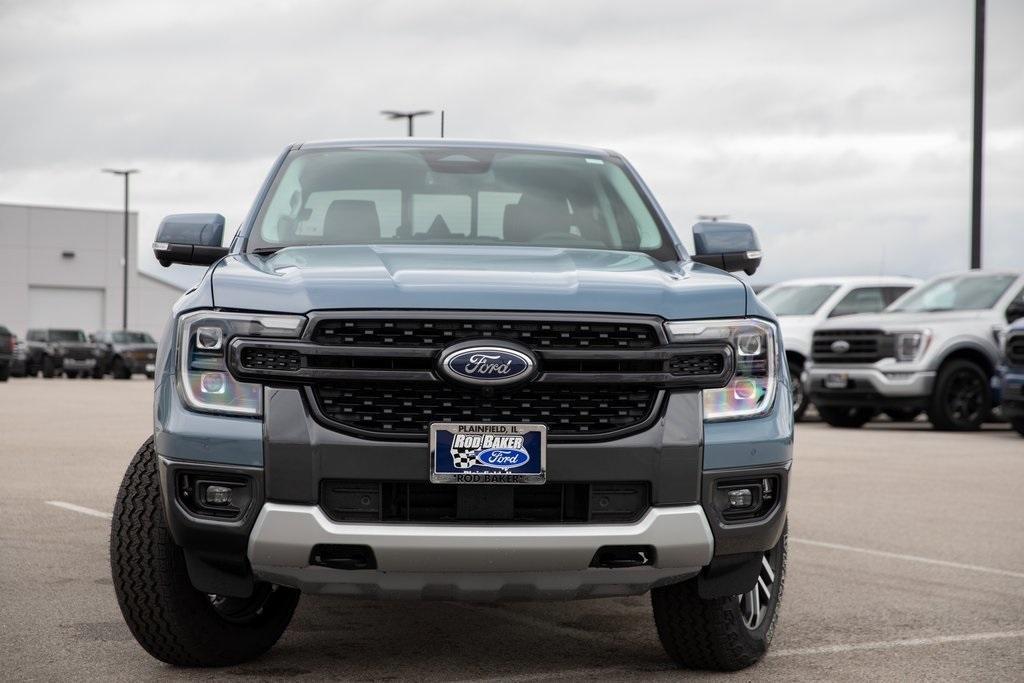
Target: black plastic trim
x,y
746,536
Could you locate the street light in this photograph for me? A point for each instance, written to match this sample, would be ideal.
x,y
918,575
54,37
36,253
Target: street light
x,y
126,172
408,115
979,123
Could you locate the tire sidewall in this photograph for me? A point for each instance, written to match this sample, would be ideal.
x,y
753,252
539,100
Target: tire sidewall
x,y
939,413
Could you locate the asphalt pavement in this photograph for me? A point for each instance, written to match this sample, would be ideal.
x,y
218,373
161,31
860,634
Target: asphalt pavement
x,y
906,563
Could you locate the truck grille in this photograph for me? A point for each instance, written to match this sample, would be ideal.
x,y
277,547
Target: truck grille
x,y
1015,349
863,346
372,501
409,408
438,332
78,353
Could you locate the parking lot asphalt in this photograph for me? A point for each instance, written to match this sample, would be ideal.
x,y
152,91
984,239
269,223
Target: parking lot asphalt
x,y
906,563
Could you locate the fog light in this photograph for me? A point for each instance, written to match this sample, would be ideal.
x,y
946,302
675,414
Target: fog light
x,y
217,495
741,498
209,338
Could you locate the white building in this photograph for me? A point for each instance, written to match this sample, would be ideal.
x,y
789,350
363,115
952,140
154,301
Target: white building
x,y
62,267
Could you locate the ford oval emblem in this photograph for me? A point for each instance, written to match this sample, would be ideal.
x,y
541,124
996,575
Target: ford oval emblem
x,y
492,365
840,346
502,458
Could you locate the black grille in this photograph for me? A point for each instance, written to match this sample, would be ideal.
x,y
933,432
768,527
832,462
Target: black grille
x,y
1015,349
254,358
391,408
78,353
435,333
371,501
690,365
865,346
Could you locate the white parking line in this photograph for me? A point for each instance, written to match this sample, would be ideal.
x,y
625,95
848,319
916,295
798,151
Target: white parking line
x,y
79,508
911,558
893,644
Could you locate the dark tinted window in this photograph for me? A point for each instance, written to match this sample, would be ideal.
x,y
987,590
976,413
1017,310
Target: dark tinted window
x,y
36,335
860,300
132,338
797,299
67,336
892,293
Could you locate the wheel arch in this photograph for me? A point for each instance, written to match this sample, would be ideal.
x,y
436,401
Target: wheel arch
x,y
969,353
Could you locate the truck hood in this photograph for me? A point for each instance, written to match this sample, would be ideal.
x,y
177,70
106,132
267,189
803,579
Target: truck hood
x,y
302,279
903,321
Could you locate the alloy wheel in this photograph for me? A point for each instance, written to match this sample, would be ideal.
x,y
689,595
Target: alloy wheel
x,y
755,603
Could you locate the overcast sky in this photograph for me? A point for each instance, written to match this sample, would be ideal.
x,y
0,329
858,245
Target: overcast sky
x,y
841,131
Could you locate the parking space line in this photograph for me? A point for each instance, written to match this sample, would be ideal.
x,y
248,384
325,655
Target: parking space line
x,y
893,644
911,558
79,509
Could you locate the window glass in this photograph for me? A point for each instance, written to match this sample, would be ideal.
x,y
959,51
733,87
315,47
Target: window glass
x,y
957,293
132,338
860,300
892,293
67,335
463,196
797,299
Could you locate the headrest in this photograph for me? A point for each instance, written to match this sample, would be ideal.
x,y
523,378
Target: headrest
x,y
351,221
533,216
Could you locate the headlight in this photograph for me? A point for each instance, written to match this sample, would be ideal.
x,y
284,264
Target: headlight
x,y
751,389
204,381
910,345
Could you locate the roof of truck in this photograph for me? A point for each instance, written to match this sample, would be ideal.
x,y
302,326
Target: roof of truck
x,y
457,143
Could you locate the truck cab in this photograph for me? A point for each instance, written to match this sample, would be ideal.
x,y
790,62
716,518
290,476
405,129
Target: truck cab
x,y
935,350
463,371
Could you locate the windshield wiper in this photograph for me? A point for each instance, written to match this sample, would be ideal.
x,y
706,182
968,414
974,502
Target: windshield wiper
x,y
266,251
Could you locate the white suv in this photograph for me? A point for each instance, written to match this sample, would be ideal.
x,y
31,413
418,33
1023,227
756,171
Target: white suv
x,y
803,304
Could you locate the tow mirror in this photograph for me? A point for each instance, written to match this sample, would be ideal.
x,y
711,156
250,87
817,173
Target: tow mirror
x,y
190,238
729,246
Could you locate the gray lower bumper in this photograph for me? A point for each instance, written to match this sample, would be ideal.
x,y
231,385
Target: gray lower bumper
x,y
897,384
477,562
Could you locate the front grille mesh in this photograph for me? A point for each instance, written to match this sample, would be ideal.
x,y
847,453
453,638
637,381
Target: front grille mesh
x,y
865,346
392,408
271,359
690,365
538,334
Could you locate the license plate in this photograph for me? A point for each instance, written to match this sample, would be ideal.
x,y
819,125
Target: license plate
x,y
836,380
486,453
150,367
73,363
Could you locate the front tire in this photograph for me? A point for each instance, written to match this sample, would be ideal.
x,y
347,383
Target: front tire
x,y
5,372
120,370
961,400
1018,424
49,367
722,634
170,619
846,417
800,400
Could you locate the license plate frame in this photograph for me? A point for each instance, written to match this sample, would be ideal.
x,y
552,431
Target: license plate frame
x,y
464,461
837,380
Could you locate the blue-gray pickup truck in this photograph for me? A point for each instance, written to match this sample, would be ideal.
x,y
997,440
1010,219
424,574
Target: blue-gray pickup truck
x,y
459,371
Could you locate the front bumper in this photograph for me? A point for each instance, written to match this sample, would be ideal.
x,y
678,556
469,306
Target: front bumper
x,y
1011,393
483,562
869,386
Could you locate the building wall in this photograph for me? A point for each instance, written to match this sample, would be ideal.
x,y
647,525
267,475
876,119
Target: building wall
x,y
62,267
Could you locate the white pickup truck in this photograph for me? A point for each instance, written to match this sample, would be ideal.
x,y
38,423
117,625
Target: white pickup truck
x,y
803,304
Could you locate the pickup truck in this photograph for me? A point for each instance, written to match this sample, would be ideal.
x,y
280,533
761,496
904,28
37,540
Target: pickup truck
x,y
1011,376
56,351
935,349
124,353
803,304
460,371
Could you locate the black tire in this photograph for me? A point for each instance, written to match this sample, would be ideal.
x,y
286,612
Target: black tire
x,y
846,417
902,414
173,621
1018,424
717,633
5,372
49,367
800,400
961,400
150,375
97,372
119,370
71,374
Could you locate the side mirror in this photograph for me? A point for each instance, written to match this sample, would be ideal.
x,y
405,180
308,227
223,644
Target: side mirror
x,y
729,246
1015,311
190,238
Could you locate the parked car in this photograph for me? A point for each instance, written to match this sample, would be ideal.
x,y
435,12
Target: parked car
x,y
935,350
7,342
124,353
53,351
1011,376
465,371
803,304
19,361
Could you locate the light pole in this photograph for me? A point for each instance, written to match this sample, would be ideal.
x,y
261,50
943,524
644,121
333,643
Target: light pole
x,y
408,115
979,100
126,172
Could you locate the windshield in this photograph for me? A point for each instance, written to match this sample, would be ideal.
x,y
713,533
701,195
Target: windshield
x,y
959,293
67,335
797,299
132,338
456,196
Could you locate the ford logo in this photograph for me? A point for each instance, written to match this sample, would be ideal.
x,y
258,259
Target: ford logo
x,y
840,346
502,458
475,364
